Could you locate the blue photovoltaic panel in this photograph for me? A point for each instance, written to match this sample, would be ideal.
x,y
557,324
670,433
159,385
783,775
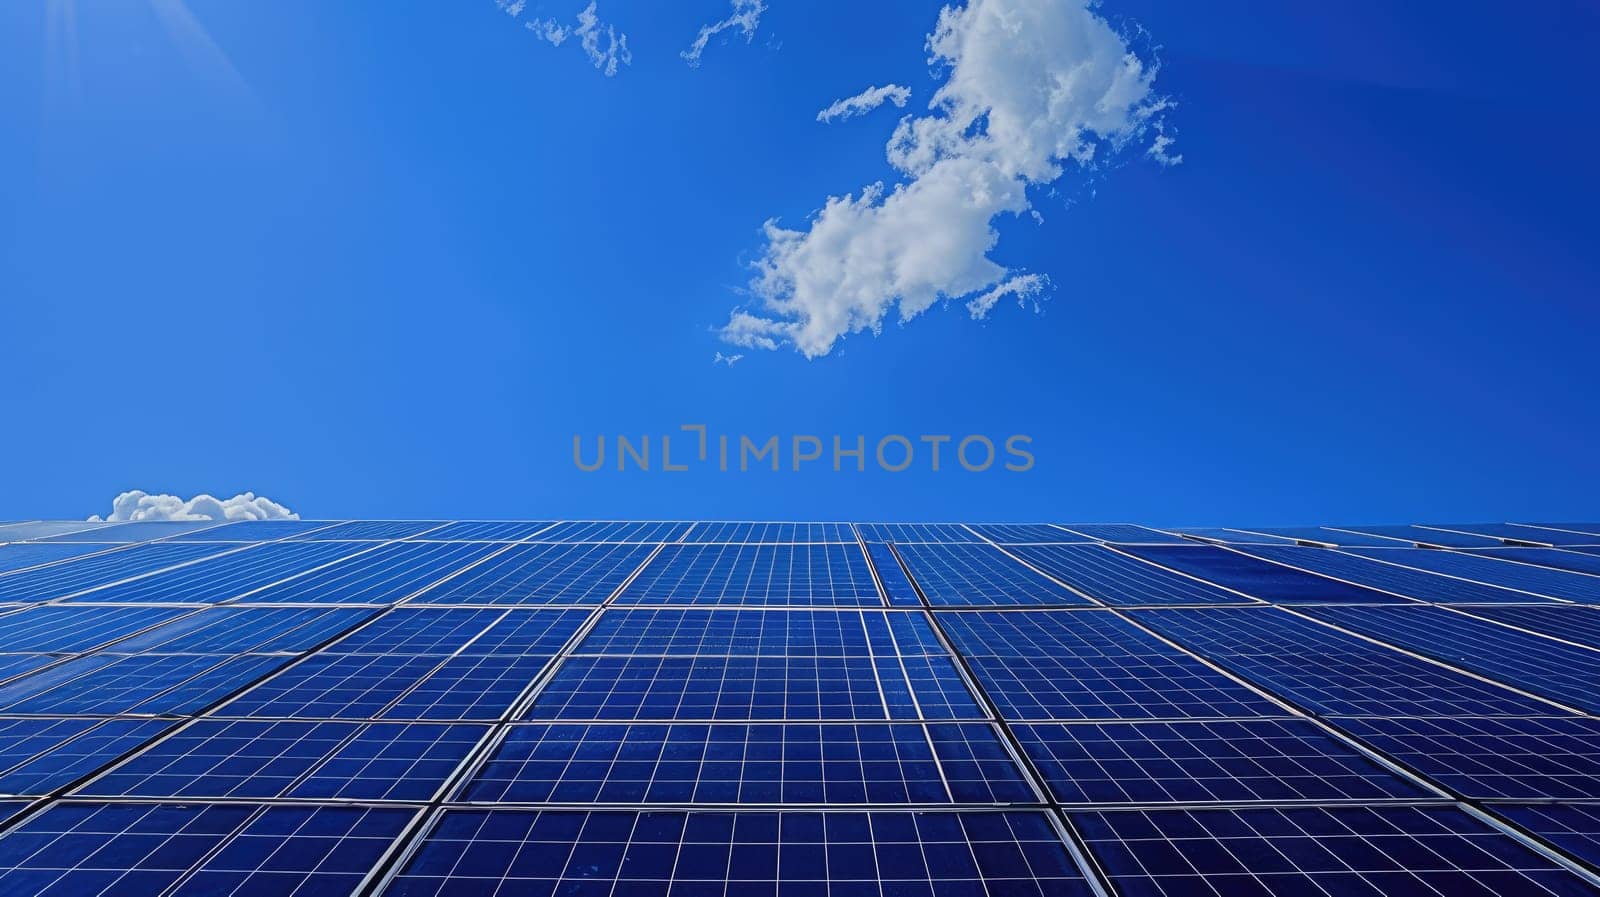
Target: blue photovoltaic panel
x,y
1528,578
1043,665
1405,581
252,531
542,573
771,532
1544,666
486,531
58,580
982,575
226,576
794,633
1425,536
615,531
409,630
1591,529
41,754
1204,761
12,665
372,530
822,574
927,854
1574,828
1255,577
1025,533
1331,672
1122,532
386,574
1114,578
724,763
234,630
187,850
135,532
1560,559
1570,622
1521,533
1536,758
1318,850
36,554
66,629
896,586
1325,535
146,683
252,759
43,529
902,533
1238,537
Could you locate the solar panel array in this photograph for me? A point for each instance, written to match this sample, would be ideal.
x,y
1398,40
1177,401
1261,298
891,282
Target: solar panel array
x,y
688,708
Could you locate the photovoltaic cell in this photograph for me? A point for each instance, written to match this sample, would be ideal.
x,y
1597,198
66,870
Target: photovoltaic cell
x,y
1571,622
1425,536
1330,672
685,763
1025,533
805,633
252,531
41,754
1255,577
43,529
896,586
35,554
1044,665
58,580
146,683
936,854
1317,850
1496,757
372,530
1389,577
487,531
60,628
542,573
1519,532
1239,536
78,849
1123,532
227,576
386,574
982,575
251,759
1560,559
1326,535
1558,671
771,532
1574,828
823,575
135,532
1118,579
907,533
1538,580
616,531
235,630
1204,761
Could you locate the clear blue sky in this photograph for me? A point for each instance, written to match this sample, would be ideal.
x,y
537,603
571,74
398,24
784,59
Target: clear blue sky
x,y
385,260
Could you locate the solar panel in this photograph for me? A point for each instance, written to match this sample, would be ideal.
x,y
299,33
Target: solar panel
x,y
1541,758
43,529
1518,532
1544,666
1045,665
822,574
192,849
1255,577
982,575
1200,761
1493,571
940,854
1398,580
740,708
1424,536
1111,577
1318,850
133,532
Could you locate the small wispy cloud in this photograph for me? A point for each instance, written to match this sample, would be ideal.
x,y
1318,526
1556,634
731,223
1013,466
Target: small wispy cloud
x,y
606,47
729,360
1032,90
746,17
137,505
865,102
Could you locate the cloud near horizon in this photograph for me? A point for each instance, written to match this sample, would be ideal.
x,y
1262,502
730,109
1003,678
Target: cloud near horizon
x,y
138,506
1032,89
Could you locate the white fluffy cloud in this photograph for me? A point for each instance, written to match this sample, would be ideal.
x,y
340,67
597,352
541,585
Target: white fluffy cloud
x,y
865,102
606,47
135,505
1032,88
746,16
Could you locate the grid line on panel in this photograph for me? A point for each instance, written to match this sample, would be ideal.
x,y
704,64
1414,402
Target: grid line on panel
x,y
1090,867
